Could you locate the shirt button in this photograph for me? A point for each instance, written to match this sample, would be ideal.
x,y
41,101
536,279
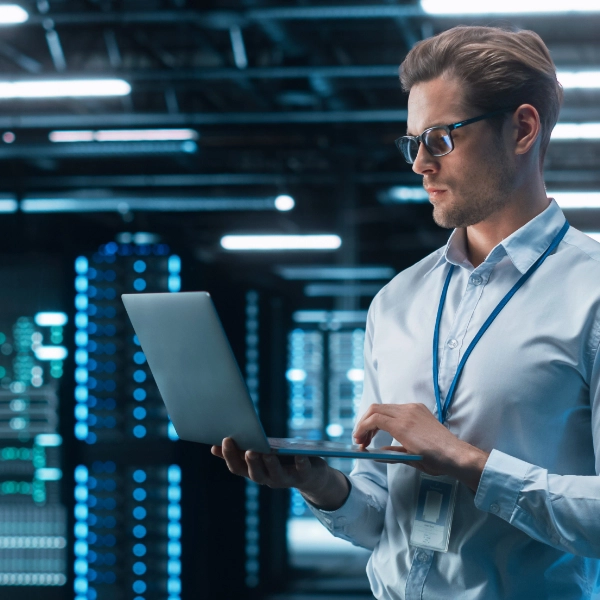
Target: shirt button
x,y
452,344
476,280
422,557
494,508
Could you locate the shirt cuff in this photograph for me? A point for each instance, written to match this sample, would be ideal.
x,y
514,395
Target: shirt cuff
x,y
336,520
501,483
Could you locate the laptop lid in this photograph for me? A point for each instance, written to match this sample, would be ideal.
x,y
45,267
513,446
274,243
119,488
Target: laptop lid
x,y
194,368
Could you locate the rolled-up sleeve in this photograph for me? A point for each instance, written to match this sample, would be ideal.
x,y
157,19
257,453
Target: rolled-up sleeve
x,y
360,520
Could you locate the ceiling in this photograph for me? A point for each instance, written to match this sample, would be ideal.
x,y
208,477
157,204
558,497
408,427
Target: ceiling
x,y
291,97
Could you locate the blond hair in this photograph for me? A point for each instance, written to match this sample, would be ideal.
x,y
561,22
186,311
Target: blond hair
x,y
498,68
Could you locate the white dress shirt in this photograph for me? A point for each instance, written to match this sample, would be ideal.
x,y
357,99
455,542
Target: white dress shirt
x,y
529,394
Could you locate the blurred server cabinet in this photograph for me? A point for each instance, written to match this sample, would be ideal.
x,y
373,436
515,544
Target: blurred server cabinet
x,y
325,373
33,518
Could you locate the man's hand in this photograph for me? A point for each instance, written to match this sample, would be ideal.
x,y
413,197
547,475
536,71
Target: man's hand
x,y
419,432
321,485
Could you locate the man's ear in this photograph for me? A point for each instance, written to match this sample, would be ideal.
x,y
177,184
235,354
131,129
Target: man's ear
x,y
526,128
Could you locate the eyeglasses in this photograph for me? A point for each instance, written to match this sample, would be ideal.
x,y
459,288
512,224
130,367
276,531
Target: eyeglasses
x,y
437,140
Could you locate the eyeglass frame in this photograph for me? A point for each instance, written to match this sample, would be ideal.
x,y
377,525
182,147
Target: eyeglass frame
x,y
448,129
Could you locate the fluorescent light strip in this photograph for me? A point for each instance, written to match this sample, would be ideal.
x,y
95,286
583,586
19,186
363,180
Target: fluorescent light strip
x,y
281,242
8,206
65,88
576,131
125,205
579,79
123,135
476,7
12,14
335,273
49,319
316,290
325,316
405,193
576,200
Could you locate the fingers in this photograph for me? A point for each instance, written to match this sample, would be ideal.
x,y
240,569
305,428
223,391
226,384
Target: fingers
x,y
217,451
256,467
234,458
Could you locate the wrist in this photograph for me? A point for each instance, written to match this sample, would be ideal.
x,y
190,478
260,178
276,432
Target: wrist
x,y
468,465
328,493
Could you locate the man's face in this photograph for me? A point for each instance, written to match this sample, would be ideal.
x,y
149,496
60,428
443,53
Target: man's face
x,y
472,182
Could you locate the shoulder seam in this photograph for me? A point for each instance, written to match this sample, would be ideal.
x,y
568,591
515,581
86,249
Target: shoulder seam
x,y
582,251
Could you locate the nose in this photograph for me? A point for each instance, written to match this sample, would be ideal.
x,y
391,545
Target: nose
x,y
425,163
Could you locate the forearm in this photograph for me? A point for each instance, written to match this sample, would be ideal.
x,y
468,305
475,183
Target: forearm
x,y
330,493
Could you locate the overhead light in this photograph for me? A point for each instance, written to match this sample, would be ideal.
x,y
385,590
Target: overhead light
x,y
51,353
576,131
125,204
49,319
12,14
573,200
403,193
284,203
579,79
124,135
317,290
281,242
330,316
64,88
8,205
335,273
476,7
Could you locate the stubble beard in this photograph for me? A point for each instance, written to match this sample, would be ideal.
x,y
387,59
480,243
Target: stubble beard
x,y
477,203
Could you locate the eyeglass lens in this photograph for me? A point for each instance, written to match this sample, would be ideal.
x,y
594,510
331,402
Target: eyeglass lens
x,y
437,141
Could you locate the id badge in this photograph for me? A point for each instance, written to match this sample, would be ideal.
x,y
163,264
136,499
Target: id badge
x,y
433,515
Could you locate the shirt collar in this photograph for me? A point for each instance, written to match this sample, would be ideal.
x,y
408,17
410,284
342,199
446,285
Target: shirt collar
x,y
523,247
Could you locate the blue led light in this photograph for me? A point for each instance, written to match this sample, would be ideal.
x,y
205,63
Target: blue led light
x,y
139,431
81,320
81,474
139,587
174,283
174,567
174,549
139,358
81,393
80,567
139,376
174,474
81,356
91,438
139,549
81,530
136,341
139,476
174,585
81,301
174,530
139,512
139,568
81,375
139,266
174,264
171,432
81,431
174,512
81,283
81,338
81,585
81,265
80,548
139,394
174,493
139,494
139,412
139,284
111,248
81,412
139,531
81,512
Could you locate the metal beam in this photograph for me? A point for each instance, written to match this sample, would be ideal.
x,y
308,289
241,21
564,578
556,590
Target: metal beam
x,y
191,119
226,19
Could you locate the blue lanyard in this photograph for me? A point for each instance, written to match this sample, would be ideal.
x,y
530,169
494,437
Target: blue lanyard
x,y
443,411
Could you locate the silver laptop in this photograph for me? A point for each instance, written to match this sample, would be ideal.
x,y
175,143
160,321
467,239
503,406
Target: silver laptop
x,y
201,384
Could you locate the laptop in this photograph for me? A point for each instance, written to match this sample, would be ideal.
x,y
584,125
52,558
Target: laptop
x,y
201,384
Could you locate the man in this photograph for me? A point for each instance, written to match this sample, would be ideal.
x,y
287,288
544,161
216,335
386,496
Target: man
x,y
501,398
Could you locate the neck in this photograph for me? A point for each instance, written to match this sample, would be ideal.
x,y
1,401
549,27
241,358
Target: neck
x,y
484,236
